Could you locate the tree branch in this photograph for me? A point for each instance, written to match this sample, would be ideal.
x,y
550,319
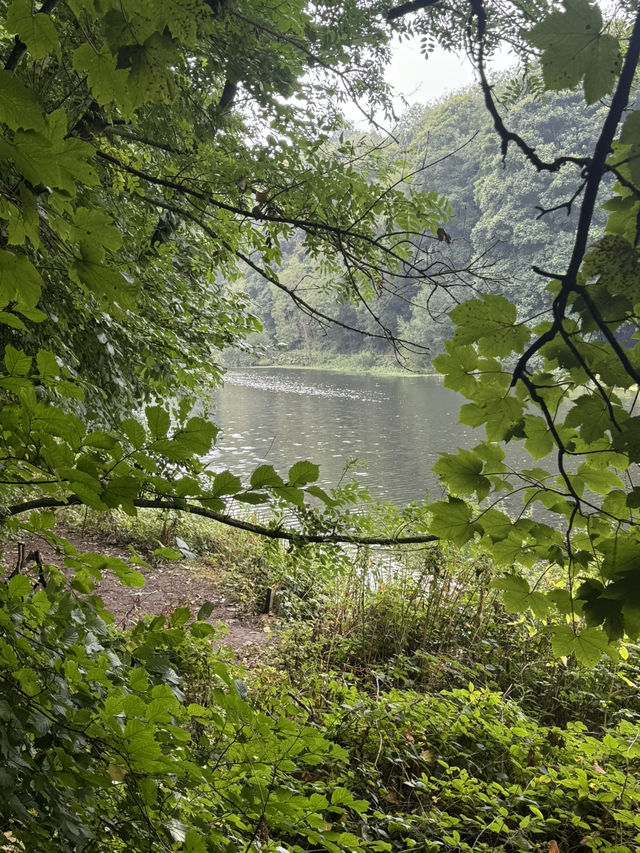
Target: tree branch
x,y
304,306
294,536
407,8
125,133
594,173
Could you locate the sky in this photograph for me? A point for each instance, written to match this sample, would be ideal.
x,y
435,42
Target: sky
x,y
423,80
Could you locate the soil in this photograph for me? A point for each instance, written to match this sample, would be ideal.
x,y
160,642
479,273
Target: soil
x,y
168,585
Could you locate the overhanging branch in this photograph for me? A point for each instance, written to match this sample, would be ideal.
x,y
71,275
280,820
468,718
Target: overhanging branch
x,y
407,8
287,535
594,175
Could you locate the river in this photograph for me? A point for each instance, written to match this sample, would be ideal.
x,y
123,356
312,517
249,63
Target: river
x,y
394,425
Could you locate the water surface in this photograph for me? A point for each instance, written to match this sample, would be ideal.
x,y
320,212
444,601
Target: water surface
x,y
395,425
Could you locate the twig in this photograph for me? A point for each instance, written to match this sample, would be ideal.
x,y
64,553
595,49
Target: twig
x,y
566,205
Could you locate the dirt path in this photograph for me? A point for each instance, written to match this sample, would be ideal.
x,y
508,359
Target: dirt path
x,y
169,584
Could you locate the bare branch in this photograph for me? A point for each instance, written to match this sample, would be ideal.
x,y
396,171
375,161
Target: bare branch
x,y
306,307
566,205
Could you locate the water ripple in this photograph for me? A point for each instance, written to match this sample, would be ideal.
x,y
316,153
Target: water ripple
x,y
271,382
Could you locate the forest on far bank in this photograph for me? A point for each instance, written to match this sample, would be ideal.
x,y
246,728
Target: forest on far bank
x,y
497,237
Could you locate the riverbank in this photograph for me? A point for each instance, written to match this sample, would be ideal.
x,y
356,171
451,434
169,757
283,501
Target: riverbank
x,y
356,364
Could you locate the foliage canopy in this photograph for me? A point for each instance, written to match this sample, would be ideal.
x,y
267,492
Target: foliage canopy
x,y
148,151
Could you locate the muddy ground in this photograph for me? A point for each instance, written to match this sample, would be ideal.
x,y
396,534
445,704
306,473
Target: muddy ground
x,y
169,584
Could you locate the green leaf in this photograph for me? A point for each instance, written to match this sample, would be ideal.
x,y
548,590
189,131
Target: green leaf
x,y
599,480
121,492
451,520
194,842
615,262
139,680
100,439
20,282
290,495
561,599
19,586
198,435
302,473
319,493
265,475
134,431
142,748
202,629
518,596
36,31
196,438
591,416
107,82
539,440
52,157
502,417
630,136
16,362
168,553
496,524
152,68
588,646
12,321
95,231
47,365
491,323
574,48
106,283
225,483
253,498
158,421
205,611
340,796
19,106
179,617
462,473
458,365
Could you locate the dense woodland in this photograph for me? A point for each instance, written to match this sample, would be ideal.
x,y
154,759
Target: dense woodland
x,y
449,148
461,675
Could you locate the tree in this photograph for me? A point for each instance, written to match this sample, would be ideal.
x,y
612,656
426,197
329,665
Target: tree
x,y
148,150
563,384
179,136
494,228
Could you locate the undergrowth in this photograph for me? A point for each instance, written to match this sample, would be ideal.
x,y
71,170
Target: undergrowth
x,y
446,723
